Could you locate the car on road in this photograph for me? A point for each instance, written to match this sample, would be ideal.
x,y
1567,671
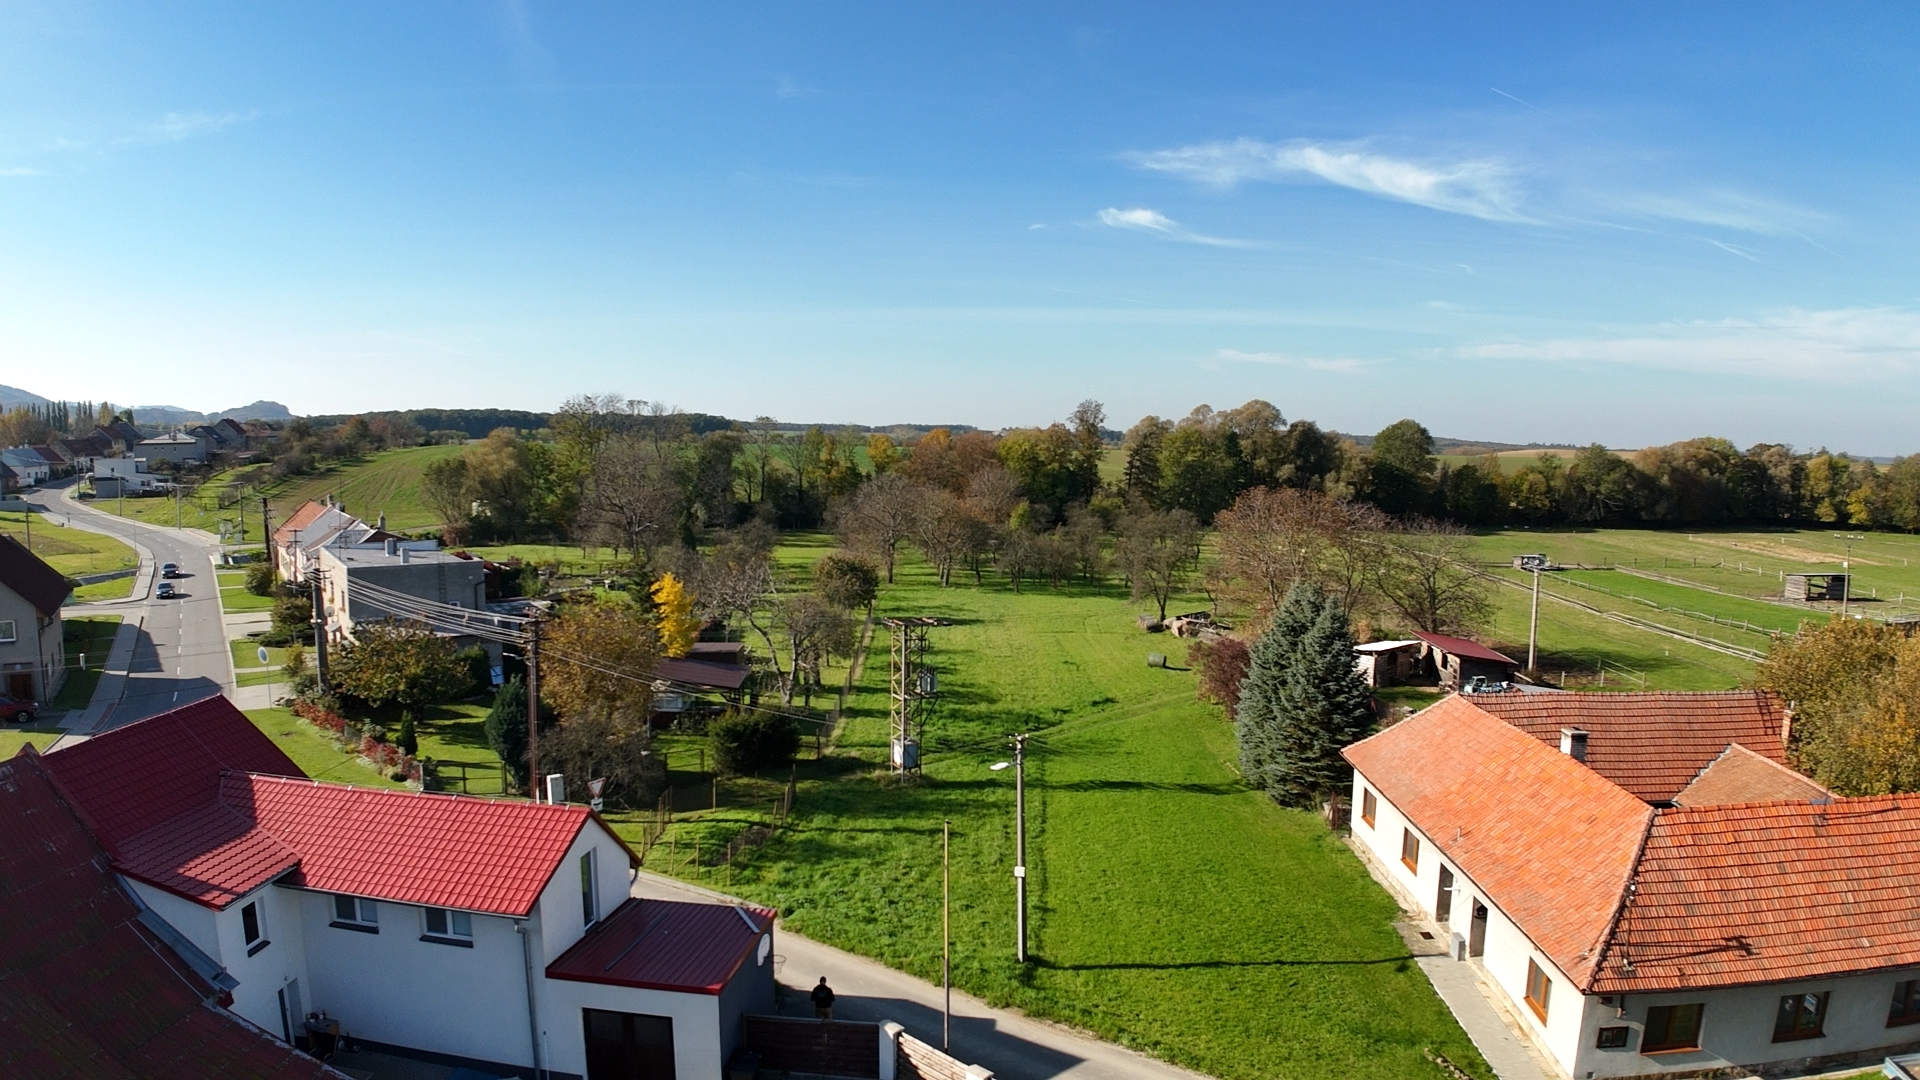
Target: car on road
x,y
169,570
166,591
16,710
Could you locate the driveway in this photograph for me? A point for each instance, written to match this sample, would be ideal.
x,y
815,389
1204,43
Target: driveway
x,y
179,648
1014,1046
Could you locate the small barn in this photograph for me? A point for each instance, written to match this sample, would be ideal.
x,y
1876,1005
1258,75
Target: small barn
x,y
1457,661
1387,663
1816,587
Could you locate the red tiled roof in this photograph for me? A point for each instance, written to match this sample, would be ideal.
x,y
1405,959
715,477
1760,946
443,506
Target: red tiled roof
x,y
666,945
1472,650
1652,744
133,778
488,855
1740,775
1770,892
35,582
88,990
1550,841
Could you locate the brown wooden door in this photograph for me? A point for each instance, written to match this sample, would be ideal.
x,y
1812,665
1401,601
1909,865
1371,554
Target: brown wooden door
x,y
20,685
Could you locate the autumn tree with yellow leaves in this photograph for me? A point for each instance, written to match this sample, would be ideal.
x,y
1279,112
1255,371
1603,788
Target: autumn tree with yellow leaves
x,y
679,626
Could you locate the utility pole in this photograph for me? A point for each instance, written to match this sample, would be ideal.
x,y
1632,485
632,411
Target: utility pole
x,y
319,630
266,534
533,707
1020,843
946,932
1533,626
176,502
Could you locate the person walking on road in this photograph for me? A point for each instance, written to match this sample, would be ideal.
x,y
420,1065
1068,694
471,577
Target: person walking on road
x,y
823,1000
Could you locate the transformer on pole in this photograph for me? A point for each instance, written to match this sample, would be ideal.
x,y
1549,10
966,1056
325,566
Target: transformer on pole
x,y
911,685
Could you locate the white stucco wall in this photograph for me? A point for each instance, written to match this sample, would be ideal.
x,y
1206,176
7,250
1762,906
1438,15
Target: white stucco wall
x,y
283,960
392,987
1507,949
697,1039
1736,1027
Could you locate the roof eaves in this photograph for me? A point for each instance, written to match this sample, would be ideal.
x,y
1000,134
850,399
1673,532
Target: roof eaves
x,y
1605,943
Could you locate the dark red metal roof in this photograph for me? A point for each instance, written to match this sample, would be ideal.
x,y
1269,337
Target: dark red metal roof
x,y
1459,646
36,582
701,674
88,990
667,945
130,779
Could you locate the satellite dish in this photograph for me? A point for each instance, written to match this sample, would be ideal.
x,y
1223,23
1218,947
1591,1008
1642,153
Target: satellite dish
x,y
766,948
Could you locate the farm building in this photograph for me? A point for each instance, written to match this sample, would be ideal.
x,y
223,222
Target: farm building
x,y
1647,884
1387,663
1815,587
1457,661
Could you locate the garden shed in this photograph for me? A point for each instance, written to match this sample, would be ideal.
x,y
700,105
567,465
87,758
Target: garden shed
x,y
1458,661
1816,587
1387,663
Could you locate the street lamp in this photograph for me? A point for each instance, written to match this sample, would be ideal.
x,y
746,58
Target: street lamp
x,y
1019,767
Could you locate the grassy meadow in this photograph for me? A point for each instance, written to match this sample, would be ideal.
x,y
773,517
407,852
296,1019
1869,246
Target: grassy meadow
x,y
75,552
1172,910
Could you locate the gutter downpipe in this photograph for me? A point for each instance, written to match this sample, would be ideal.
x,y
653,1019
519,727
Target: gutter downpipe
x,y
533,1015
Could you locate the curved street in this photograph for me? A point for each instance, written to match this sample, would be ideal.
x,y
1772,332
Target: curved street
x,y
169,651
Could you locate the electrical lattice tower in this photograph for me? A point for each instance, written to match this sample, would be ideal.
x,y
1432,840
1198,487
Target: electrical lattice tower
x,y
912,685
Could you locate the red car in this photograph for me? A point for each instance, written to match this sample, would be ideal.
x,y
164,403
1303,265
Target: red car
x,y
17,710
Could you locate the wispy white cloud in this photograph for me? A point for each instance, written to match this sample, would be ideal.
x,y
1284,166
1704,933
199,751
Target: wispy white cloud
x,y
1153,221
1734,249
176,126
22,170
1482,189
1727,210
787,86
1343,365
1845,344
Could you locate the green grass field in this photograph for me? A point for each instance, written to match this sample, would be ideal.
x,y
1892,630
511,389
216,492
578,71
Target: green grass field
x,y
1173,910
91,637
314,752
235,600
387,482
74,552
199,510
13,738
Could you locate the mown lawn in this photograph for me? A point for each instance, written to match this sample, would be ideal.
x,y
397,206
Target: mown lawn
x,y
314,752
386,482
1666,601
91,637
236,599
13,738
76,552
1172,909
199,510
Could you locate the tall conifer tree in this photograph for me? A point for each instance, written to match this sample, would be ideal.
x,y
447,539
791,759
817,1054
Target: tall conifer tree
x,y
1322,707
1269,665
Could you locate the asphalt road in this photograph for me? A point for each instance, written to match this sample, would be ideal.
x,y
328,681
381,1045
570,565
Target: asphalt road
x,y
181,652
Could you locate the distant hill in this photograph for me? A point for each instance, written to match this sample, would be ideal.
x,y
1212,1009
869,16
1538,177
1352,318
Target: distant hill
x,y
13,396
171,415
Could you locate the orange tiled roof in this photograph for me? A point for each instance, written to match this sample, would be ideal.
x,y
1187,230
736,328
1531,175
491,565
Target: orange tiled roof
x,y
308,513
1739,775
1652,744
1769,892
1549,840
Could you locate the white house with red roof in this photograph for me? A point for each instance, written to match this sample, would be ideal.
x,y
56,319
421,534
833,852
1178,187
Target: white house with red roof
x,y
495,934
1647,882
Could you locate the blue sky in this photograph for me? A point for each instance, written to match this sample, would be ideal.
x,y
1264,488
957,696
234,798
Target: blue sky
x,y
1620,224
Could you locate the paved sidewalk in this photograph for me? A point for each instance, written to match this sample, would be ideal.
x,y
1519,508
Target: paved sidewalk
x,y
113,679
1015,1047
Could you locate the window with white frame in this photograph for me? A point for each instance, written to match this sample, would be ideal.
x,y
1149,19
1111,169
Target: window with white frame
x,y
356,913
253,927
7,631
446,926
589,904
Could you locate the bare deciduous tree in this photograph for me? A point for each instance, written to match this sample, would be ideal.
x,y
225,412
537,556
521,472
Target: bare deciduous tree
x,y
945,532
1424,572
633,496
1158,550
880,515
